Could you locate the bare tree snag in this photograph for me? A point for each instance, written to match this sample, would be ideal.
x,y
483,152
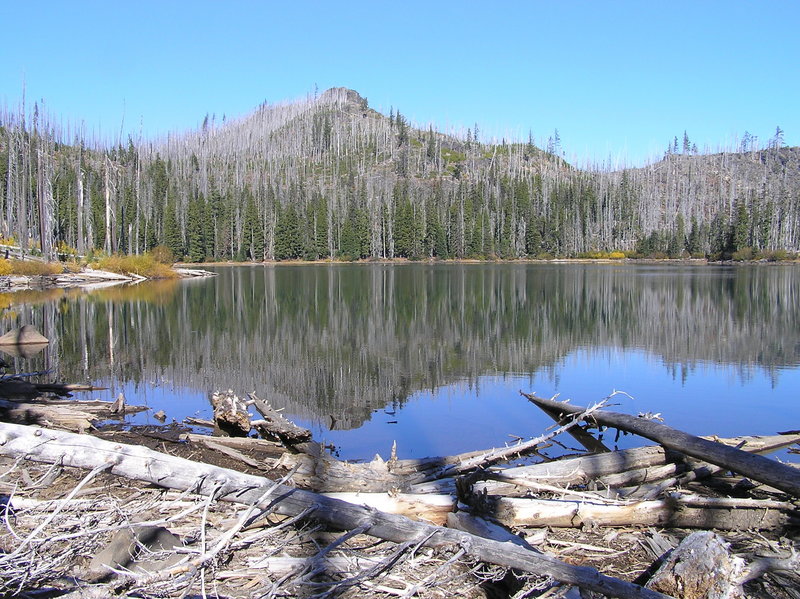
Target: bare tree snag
x,y
756,467
140,463
700,568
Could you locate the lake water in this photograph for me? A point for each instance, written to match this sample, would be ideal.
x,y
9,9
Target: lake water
x,y
433,356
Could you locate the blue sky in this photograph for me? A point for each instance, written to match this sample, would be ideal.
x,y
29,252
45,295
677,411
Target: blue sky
x,y
617,79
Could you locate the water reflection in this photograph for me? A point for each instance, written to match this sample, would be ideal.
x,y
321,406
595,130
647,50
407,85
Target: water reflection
x,y
343,341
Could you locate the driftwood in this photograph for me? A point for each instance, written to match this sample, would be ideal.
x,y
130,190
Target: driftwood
x,y
756,467
670,512
700,568
275,426
230,414
78,416
168,471
316,470
579,433
617,469
425,507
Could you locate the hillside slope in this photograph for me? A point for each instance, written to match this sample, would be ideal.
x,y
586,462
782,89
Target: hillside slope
x,y
328,176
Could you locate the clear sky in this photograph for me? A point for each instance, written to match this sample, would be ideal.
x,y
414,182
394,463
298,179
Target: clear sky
x,y
618,79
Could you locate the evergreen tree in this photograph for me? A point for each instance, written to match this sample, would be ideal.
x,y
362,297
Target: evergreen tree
x,y
195,238
172,233
741,228
287,235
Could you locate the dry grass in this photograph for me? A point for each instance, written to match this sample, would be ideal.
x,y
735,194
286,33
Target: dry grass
x,y
29,268
144,265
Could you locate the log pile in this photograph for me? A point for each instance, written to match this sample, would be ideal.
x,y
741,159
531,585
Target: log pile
x,y
607,522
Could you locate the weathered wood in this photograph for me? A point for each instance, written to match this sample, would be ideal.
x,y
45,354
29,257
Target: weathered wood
x,y
275,426
672,512
230,414
316,470
484,528
580,434
427,508
700,568
756,467
44,415
140,463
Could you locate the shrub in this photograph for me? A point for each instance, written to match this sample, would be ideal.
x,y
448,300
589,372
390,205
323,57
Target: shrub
x,y
34,268
600,255
5,267
775,255
742,255
163,255
144,265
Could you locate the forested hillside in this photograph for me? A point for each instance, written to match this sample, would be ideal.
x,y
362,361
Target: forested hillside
x,y
330,177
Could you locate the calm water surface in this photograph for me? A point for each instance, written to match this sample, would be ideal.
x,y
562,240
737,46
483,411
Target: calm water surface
x,y
434,356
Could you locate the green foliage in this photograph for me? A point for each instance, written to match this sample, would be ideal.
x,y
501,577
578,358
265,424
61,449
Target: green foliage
x,y
449,156
287,235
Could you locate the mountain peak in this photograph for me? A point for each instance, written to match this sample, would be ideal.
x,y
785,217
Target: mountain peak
x,y
342,94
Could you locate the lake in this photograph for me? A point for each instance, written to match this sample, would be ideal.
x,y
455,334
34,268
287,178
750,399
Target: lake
x,y
433,356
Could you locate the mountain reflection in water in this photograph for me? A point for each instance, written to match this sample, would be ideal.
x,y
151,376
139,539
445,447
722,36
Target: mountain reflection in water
x,y
343,345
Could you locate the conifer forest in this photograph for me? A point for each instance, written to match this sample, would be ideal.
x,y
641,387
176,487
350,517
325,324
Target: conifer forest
x,y
329,177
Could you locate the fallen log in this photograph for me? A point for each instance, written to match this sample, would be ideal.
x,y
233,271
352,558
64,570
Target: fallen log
x,y
575,471
671,512
275,426
756,467
43,415
427,508
640,466
579,433
316,470
140,463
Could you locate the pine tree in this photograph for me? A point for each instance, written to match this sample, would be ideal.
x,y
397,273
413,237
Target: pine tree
x,y
195,238
287,235
172,234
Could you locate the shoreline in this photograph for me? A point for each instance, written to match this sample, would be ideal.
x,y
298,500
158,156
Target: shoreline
x,y
96,279
429,261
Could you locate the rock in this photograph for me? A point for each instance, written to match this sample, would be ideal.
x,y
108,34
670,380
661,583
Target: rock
x,y
24,335
145,549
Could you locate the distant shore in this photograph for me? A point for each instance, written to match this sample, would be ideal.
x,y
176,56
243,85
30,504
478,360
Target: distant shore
x,y
486,261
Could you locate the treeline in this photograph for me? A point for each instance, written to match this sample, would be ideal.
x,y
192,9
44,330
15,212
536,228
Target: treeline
x,y
328,177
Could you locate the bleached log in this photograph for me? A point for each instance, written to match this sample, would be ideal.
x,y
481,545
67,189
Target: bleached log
x,y
427,508
700,568
756,467
672,512
140,463
44,415
484,528
573,471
